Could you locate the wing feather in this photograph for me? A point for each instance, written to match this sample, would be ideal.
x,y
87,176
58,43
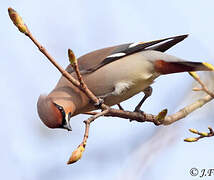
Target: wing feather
x,y
93,61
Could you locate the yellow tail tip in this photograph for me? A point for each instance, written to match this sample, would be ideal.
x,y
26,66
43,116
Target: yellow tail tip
x,y
209,66
194,75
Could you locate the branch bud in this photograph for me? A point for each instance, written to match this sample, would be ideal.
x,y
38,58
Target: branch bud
x,y
17,21
193,131
190,139
161,115
71,57
205,134
76,154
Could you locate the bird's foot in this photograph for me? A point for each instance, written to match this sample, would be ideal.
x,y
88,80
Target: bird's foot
x,y
139,111
99,103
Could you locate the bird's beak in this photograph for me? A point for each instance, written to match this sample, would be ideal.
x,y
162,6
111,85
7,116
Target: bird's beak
x,y
67,120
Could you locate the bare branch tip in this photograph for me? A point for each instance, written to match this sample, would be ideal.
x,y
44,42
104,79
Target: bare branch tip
x,y
201,134
211,130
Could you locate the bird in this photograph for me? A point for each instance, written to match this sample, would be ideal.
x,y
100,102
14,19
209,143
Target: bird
x,y
114,74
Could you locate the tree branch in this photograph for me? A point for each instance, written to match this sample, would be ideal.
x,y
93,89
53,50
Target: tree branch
x,y
159,119
77,153
201,134
203,86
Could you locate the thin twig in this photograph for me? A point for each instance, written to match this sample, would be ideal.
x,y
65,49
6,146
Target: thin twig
x,y
144,117
140,117
137,116
53,61
201,135
203,86
89,121
82,85
77,153
90,113
186,110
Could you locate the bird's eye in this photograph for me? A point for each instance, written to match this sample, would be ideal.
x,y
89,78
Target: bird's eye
x,y
65,119
62,112
60,108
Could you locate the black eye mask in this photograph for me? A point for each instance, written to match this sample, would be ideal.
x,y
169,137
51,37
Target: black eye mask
x,y
62,112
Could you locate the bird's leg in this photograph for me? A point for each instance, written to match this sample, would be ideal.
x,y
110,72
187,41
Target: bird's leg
x,y
120,107
147,92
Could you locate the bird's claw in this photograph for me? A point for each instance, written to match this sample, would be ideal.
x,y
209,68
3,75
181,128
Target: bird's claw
x,y
99,103
138,111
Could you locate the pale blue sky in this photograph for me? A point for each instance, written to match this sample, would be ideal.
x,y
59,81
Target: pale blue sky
x,y
32,151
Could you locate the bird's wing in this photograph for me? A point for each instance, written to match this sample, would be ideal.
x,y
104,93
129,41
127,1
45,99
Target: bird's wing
x,y
92,61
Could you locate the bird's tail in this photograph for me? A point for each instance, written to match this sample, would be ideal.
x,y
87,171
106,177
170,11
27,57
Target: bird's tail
x,y
165,67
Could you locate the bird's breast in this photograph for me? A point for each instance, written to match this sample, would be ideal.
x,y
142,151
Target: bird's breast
x,y
122,79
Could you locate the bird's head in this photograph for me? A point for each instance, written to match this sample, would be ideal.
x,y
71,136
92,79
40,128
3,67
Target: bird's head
x,y
55,113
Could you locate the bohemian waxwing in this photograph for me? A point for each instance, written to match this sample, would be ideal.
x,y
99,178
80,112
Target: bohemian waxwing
x,y
114,74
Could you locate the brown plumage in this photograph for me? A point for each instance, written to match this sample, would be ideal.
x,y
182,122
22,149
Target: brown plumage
x,y
114,74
